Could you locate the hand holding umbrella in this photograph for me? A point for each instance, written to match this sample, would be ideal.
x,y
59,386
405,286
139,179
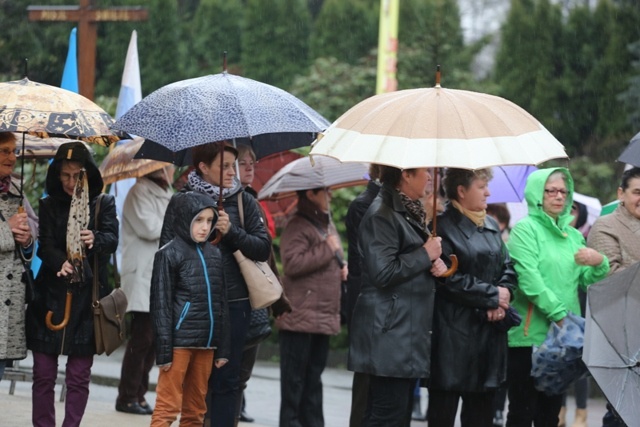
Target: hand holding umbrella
x,y
78,238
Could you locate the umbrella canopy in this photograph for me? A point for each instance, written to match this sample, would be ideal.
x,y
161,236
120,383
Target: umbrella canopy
x,y
631,154
438,127
49,111
612,342
220,107
265,168
508,183
39,148
120,164
302,175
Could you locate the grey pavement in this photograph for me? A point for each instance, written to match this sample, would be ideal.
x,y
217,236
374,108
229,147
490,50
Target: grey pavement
x,y
263,398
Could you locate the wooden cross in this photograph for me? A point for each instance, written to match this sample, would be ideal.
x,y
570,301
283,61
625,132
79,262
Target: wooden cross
x,y
87,18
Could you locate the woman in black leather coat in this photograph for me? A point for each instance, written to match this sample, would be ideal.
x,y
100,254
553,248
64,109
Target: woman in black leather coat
x,y
390,336
469,344
76,340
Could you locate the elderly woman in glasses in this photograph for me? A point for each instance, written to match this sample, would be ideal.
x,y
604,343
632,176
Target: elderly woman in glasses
x,y
17,234
552,262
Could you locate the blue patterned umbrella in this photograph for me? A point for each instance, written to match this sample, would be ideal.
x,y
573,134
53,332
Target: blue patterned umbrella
x,y
219,107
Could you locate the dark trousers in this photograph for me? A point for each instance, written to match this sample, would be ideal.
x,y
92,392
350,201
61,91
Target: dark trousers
x,y
224,384
390,402
249,356
611,418
359,398
45,372
138,360
526,404
477,408
303,357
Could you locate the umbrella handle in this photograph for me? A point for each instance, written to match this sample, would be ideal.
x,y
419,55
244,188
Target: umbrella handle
x,y
453,268
65,319
216,239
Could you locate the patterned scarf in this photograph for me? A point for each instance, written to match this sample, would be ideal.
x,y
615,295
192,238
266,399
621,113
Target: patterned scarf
x,y
5,184
200,185
415,209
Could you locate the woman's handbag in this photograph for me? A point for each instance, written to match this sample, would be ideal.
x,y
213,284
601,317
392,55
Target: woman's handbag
x,y
263,285
108,312
259,328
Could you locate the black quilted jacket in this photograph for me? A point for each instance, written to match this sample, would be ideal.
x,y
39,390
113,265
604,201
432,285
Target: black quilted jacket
x,y
188,292
253,240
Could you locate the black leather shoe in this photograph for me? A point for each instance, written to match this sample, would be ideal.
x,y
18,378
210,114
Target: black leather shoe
x,y
146,407
245,418
131,408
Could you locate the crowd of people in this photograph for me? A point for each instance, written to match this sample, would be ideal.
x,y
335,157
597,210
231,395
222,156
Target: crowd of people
x,y
454,305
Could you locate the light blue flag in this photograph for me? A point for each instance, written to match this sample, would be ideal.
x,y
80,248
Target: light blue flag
x,y
130,95
69,82
70,73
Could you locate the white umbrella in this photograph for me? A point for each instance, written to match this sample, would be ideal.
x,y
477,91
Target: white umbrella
x,y
302,175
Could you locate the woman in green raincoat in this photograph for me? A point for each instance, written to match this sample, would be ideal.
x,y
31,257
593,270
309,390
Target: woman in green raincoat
x,y
552,262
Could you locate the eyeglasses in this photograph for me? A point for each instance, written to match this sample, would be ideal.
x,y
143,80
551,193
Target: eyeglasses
x,y
68,177
553,192
7,152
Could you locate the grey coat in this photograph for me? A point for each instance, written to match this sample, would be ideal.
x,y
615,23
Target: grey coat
x,y
13,342
392,318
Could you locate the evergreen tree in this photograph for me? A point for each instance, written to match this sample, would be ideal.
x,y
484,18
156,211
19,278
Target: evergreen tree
x,y
332,87
216,28
430,34
275,41
631,97
345,30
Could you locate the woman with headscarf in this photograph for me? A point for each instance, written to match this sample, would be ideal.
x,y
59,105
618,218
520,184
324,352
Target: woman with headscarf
x,y
252,239
469,347
390,336
73,185
552,262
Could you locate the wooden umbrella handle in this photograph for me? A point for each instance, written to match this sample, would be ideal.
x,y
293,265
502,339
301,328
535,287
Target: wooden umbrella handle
x,y
65,319
453,268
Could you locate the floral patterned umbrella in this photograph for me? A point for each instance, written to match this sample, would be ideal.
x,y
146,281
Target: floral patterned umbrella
x,y
220,107
120,164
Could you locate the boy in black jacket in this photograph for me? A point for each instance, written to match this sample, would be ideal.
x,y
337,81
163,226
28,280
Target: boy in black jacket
x,y
188,313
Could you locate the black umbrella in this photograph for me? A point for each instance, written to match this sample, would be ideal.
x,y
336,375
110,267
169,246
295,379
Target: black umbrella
x,y
631,154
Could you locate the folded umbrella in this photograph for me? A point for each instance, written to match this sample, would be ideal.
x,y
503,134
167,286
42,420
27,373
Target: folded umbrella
x,y
612,342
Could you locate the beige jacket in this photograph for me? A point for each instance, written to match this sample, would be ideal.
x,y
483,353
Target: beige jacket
x,y
617,236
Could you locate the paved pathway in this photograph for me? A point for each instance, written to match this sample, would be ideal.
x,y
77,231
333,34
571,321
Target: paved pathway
x,y
263,398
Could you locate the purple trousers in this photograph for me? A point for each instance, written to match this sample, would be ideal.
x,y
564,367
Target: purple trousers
x,y
45,372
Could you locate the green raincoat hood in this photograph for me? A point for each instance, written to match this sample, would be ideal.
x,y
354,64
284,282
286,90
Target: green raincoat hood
x,y
534,195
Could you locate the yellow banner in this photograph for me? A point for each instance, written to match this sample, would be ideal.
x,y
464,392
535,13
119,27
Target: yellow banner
x,y
387,46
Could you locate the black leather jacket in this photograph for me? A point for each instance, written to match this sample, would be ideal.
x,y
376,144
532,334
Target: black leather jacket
x,y
391,325
252,240
469,353
188,301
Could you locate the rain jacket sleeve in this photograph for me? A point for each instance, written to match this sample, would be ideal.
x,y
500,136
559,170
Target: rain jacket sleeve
x,y
252,239
161,307
473,287
389,262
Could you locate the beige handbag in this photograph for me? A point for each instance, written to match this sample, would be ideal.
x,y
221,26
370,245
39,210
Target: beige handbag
x,y
263,285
